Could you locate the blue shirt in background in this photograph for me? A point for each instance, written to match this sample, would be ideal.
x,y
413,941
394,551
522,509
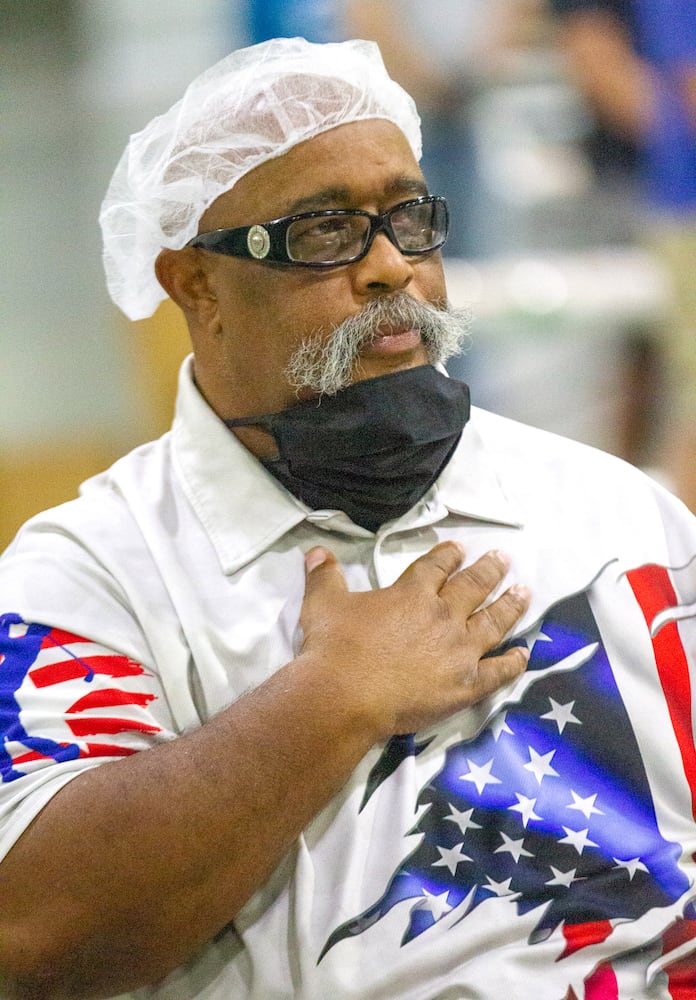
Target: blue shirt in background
x,y
663,33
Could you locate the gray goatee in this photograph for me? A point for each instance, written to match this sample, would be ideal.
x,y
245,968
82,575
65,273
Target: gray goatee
x,y
325,364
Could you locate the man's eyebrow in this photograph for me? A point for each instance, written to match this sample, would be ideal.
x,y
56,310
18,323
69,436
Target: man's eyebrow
x,y
414,187
331,197
343,197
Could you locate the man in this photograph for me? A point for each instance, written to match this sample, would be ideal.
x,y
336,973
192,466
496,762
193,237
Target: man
x,y
635,61
447,72
221,780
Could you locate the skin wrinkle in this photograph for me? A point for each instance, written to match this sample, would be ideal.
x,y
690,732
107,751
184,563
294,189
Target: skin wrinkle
x,y
340,197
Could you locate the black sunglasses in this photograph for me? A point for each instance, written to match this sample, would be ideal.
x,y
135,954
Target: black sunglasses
x,y
336,236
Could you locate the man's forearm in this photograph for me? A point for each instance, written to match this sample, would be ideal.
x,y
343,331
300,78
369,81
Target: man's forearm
x,y
137,863
617,84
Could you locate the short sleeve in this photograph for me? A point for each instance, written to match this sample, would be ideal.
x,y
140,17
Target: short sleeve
x,y
66,704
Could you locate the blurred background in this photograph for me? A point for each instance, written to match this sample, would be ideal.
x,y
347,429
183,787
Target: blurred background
x,y
573,304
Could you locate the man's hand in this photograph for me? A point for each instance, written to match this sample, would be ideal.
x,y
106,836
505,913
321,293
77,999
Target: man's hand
x,y
373,664
411,654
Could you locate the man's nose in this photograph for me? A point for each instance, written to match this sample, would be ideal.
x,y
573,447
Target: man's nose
x,y
383,268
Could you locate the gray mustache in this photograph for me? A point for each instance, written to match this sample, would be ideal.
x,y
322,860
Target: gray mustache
x,y
326,361
400,311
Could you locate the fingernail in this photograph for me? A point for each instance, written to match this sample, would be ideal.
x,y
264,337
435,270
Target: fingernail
x,y
519,590
500,557
314,558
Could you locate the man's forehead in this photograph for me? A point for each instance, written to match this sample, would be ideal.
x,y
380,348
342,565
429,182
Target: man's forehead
x,y
340,168
400,186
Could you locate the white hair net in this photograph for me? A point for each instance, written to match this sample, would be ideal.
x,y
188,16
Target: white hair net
x,y
253,105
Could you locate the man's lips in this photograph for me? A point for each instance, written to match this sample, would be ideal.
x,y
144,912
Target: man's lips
x,y
393,341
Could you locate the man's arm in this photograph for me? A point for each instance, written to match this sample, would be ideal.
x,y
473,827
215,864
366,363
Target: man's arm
x,y
410,63
137,863
617,84
689,85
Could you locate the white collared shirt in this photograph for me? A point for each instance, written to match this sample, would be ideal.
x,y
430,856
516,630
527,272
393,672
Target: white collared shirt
x,y
178,576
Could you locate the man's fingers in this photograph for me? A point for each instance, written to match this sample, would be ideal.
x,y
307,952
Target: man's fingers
x,y
318,556
324,580
469,588
323,571
497,671
432,571
491,623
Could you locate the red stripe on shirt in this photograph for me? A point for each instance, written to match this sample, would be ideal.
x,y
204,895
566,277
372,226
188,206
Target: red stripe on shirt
x,y
72,668
106,750
95,726
27,758
111,696
91,750
681,974
57,637
654,592
602,984
581,935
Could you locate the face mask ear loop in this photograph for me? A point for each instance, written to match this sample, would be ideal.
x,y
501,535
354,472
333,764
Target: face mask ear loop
x,y
264,420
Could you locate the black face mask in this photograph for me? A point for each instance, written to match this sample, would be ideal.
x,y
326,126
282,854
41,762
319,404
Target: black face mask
x,y
372,450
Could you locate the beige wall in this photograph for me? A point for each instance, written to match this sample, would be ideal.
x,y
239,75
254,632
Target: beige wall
x,y
40,474
79,384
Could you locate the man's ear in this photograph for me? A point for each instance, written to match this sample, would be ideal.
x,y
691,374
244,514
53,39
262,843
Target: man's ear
x,y
185,280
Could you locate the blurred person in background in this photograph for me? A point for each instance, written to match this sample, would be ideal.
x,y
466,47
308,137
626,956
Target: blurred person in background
x,y
445,52
315,20
635,62
342,687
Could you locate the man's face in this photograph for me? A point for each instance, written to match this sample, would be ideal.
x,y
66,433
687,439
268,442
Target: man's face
x,y
262,312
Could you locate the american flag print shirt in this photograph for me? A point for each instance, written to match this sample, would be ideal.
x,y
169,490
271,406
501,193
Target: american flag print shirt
x,y
65,698
539,846
553,815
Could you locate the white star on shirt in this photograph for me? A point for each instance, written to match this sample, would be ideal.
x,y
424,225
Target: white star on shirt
x,y
514,847
585,806
561,714
17,630
534,636
540,764
578,838
462,819
526,807
450,857
499,888
561,878
436,905
480,775
632,866
499,725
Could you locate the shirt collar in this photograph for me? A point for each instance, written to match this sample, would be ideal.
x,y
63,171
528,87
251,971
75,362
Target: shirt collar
x,y
472,485
244,510
241,506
